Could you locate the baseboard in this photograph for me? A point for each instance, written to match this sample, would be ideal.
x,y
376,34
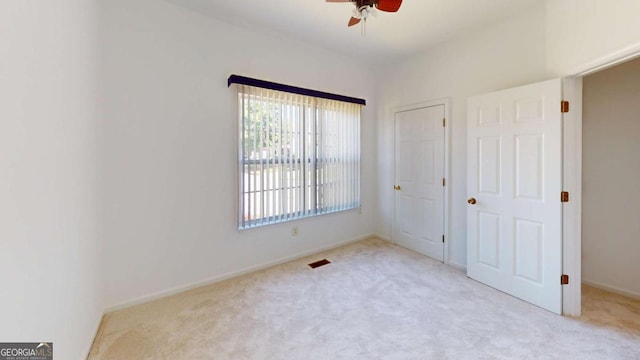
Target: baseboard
x,y
460,267
85,354
382,237
179,289
453,264
612,289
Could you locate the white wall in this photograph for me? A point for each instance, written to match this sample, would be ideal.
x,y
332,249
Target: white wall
x,y
582,31
508,54
611,200
170,155
50,269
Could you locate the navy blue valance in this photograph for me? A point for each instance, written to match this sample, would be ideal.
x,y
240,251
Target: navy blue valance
x,y
243,80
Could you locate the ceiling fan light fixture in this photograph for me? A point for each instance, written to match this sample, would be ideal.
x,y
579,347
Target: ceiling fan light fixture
x,y
365,9
364,13
367,12
356,14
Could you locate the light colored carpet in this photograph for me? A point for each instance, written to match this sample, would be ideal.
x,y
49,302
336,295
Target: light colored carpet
x,y
375,301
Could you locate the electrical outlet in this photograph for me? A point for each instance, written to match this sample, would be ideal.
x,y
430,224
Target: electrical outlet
x,y
294,231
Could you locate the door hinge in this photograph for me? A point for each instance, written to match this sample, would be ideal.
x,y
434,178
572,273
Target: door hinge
x,y
442,238
564,106
564,196
444,122
564,279
444,182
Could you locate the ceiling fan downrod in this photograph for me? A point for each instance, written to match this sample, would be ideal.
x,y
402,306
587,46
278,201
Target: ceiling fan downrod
x,y
363,13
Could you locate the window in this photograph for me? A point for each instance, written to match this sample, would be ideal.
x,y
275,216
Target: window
x,y
299,155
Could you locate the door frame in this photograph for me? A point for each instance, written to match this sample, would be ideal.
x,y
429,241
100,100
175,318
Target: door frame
x,y
572,210
572,172
446,102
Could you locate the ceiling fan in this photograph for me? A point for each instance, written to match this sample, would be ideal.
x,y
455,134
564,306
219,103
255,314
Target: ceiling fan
x,y
366,8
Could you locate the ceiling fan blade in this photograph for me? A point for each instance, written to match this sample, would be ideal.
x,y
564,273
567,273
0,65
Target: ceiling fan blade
x,y
389,5
353,21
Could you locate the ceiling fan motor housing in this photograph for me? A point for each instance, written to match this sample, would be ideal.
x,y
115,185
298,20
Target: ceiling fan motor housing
x,y
370,3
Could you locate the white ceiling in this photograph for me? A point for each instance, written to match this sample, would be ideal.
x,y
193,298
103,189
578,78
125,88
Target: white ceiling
x,y
418,25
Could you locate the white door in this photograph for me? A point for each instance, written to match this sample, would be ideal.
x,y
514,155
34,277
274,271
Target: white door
x,y
419,188
514,170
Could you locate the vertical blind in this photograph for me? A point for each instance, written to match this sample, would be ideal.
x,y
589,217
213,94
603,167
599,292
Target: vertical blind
x,y
299,156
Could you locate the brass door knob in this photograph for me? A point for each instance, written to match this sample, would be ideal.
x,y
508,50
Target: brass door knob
x,y
397,187
472,201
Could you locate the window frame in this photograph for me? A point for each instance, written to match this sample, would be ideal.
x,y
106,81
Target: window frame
x,y
309,165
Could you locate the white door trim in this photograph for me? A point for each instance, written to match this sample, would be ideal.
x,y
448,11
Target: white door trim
x,y
447,173
612,59
572,168
572,211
